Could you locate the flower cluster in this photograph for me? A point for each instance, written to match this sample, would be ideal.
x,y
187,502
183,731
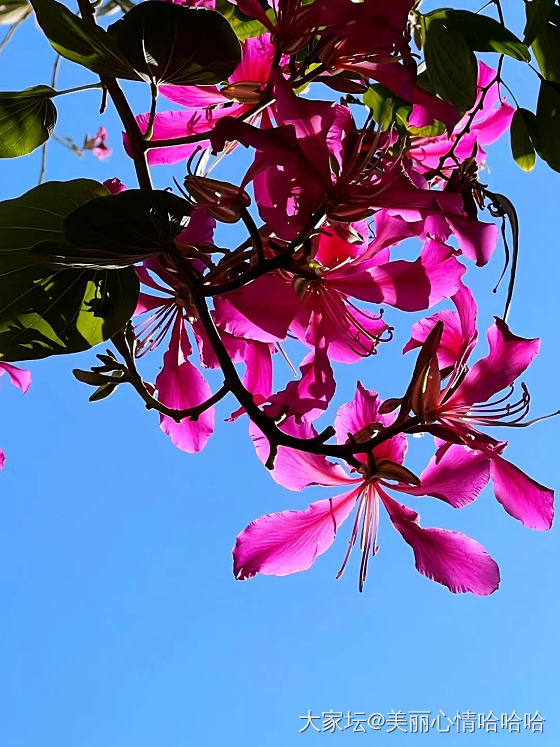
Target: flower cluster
x,y
336,198
333,195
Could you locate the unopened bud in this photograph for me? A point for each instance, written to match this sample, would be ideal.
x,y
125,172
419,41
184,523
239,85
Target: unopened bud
x,y
386,469
224,201
246,92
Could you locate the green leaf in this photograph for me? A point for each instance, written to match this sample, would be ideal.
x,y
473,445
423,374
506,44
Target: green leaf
x,y
12,11
521,140
546,47
450,62
537,12
27,120
387,109
171,44
548,123
81,42
121,229
45,310
244,26
482,33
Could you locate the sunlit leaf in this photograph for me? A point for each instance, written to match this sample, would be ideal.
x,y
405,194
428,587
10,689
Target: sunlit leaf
x,y
27,120
450,63
546,47
13,11
521,141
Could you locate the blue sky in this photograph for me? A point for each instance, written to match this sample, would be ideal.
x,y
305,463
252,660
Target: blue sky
x,y
122,624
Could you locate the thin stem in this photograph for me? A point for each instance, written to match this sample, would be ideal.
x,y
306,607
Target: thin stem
x,y
133,377
251,226
89,87
11,31
54,77
124,111
154,90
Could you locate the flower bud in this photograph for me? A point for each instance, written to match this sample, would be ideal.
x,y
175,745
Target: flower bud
x,y
224,201
246,92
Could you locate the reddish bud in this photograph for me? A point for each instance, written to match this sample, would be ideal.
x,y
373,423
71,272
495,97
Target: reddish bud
x,y
224,201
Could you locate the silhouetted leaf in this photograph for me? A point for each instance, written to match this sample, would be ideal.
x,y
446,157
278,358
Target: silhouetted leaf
x,y
548,123
537,12
81,42
45,310
171,44
482,33
119,230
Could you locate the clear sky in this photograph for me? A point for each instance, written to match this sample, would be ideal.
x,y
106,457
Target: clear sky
x,y
121,622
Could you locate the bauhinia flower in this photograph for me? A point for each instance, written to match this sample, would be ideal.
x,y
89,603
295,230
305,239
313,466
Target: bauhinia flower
x,y
290,541
455,401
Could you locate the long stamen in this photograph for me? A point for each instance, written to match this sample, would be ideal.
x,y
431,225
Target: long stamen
x,y
353,536
158,323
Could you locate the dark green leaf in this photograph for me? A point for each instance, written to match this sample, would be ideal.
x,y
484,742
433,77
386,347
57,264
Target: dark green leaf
x,y
43,310
450,62
81,42
27,119
548,123
546,47
537,12
482,33
521,142
121,229
171,44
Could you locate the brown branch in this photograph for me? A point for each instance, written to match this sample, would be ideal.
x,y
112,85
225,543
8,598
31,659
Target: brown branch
x,y
131,376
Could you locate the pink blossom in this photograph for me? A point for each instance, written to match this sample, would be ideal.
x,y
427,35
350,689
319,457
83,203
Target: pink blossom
x,y
98,144
490,122
290,541
205,105
474,397
322,287
18,376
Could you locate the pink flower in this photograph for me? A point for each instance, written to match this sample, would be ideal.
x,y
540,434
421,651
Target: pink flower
x,y
205,105
490,123
98,144
474,397
290,541
321,288
18,376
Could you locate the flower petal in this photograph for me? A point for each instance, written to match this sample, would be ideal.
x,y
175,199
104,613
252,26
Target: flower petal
x,y
18,376
294,469
521,496
180,385
450,558
509,356
287,542
455,474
